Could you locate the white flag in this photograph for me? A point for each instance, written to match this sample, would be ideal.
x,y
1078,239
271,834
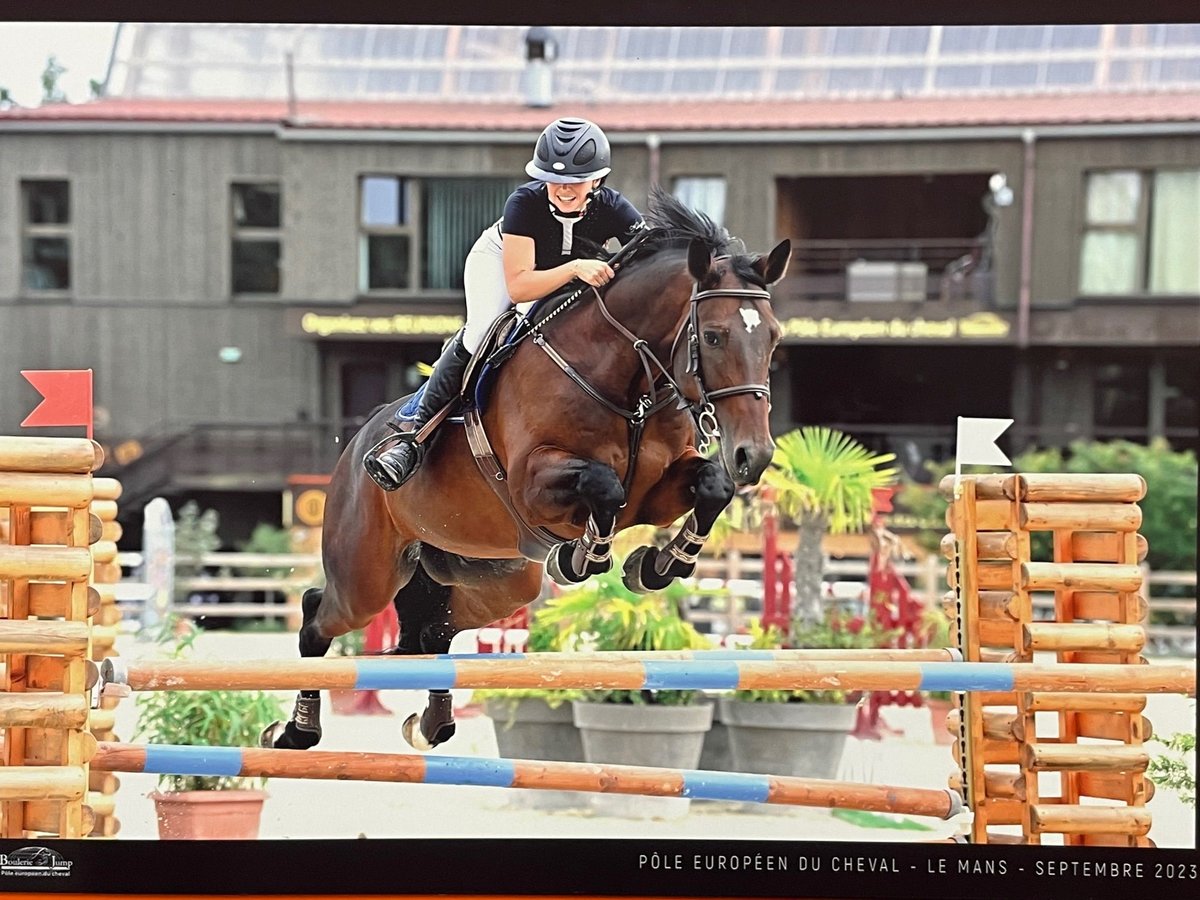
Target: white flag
x,y
976,443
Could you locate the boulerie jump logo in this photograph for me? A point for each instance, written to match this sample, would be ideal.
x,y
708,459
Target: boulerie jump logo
x,y
35,861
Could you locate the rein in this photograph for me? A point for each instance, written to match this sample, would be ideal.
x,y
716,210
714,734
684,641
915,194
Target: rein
x,y
703,409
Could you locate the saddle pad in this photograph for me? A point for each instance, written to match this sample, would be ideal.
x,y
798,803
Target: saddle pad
x,y
508,327
514,329
409,409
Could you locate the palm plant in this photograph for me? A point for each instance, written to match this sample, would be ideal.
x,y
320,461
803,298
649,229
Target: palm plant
x,y
822,480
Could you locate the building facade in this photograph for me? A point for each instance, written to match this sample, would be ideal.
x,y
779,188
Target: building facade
x,y
248,278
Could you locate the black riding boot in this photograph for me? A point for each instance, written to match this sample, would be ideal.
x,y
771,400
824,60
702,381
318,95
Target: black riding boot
x,y
397,464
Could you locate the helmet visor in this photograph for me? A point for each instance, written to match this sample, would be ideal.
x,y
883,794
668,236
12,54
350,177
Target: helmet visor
x,y
533,170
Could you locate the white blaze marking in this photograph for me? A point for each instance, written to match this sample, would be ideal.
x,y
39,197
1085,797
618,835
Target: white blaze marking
x,y
751,318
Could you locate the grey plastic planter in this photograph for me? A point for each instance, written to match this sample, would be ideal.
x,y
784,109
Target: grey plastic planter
x,y
532,729
635,735
801,739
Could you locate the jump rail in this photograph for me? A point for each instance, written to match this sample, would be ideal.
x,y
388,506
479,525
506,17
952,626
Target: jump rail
x,y
599,672
169,759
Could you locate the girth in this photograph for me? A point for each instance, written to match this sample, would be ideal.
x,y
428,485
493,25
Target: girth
x,y
533,542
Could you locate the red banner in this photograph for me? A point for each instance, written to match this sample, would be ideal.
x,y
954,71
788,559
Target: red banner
x,y
67,398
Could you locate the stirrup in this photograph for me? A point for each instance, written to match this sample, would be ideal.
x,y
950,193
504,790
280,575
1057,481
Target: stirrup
x,y
380,475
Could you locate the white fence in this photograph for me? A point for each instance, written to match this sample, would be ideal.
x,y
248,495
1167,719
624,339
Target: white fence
x,y
738,574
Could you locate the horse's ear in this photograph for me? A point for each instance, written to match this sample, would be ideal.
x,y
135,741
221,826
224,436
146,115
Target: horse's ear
x,y
773,266
699,259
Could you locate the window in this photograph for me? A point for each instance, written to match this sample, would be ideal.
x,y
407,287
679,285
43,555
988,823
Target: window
x,y
454,212
415,234
387,238
1120,399
256,245
1140,233
705,194
46,235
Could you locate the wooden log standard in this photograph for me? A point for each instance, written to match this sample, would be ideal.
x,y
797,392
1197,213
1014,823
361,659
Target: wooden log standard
x,y
517,773
598,672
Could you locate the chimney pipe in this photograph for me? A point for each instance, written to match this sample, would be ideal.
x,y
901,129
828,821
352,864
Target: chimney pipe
x,y
540,50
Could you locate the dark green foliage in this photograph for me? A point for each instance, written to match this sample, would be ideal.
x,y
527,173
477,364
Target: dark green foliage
x,y
602,614
1168,509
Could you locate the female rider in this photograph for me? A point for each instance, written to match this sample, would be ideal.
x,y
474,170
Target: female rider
x,y
530,253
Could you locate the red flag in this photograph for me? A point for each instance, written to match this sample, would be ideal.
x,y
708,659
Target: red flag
x,y
67,398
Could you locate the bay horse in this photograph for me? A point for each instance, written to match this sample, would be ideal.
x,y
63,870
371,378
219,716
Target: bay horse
x,y
597,419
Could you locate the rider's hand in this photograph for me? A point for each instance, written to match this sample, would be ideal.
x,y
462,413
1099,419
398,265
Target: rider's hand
x,y
593,271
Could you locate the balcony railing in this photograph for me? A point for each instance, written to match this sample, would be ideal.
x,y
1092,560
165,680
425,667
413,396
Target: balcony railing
x,y
891,270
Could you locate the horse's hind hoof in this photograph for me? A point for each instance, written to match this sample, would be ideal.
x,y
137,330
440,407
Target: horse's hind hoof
x,y
270,735
286,736
638,572
411,729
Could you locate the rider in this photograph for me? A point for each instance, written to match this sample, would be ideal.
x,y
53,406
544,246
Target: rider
x,y
535,249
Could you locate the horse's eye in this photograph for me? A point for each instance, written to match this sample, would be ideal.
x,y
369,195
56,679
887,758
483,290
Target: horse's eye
x,y
712,339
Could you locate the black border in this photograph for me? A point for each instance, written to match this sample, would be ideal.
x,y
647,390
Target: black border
x,y
548,867
602,867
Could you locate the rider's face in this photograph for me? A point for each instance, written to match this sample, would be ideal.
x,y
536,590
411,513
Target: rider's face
x,y
570,198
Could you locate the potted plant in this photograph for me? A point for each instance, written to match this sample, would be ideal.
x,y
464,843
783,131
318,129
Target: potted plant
x,y
646,727
823,480
536,723
205,807
802,732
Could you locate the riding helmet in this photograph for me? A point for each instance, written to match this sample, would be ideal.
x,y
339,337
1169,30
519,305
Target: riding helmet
x,y
570,151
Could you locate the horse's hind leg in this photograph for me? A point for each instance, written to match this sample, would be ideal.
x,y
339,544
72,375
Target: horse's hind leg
x,y
423,607
650,569
303,730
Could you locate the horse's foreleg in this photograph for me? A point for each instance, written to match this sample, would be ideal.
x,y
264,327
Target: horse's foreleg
x,y
570,483
303,730
650,569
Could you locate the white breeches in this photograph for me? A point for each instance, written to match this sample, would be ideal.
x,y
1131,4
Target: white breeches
x,y
483,281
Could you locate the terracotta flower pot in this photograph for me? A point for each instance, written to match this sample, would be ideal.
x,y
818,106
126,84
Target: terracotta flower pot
x,y
938,709
208,815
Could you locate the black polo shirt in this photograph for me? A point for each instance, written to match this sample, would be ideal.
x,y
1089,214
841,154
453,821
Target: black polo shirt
x,y
557,238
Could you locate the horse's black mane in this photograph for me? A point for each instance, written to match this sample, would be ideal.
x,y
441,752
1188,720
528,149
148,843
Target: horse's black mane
x,y
671,225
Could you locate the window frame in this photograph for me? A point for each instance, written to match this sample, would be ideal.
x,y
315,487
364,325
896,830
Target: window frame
x,y
254,233
705,176
29,231
413,206
1140,229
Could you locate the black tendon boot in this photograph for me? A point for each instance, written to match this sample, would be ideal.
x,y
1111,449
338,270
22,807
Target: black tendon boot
x,y
397,464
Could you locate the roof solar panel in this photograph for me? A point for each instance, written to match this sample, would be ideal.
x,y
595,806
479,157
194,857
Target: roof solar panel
x,y
615,64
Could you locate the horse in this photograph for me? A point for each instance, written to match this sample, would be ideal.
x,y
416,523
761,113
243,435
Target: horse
x,y
598,421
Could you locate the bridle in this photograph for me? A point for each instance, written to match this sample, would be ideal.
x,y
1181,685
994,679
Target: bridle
x,y
703,409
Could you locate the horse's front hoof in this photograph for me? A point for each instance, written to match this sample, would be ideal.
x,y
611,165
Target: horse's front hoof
x,y
558,565
638,573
